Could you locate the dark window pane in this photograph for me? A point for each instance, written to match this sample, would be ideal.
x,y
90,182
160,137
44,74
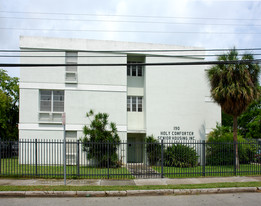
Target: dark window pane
x,y
45,106
128,71
58,101
58,106
45,100
58,95
134,106
139,104
134,73
45,94
139,71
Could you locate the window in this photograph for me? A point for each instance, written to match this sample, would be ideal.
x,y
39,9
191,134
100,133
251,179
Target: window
x,y
128,104
71,71
51,100
139,104
134,70
134,104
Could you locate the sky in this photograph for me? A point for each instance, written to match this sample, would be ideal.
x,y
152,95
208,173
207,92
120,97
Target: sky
x,y
212,24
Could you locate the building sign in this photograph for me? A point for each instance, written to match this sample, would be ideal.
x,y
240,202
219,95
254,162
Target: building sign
x,y
176,134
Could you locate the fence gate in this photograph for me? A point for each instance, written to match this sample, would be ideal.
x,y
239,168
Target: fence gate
x,y
137,163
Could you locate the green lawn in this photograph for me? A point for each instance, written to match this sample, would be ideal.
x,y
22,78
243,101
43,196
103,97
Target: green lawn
x,y
175,172
10,167
125,187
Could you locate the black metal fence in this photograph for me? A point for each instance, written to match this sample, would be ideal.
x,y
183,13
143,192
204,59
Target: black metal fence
x,y
128,160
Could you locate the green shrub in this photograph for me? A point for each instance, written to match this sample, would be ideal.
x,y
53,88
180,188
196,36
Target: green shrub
x,y
220,149
179,155
153,150
101,140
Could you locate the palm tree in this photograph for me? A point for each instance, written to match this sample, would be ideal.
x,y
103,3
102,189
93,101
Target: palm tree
x,y
234,86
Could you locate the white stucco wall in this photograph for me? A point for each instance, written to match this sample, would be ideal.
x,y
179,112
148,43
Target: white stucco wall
x,y
102,89
175,101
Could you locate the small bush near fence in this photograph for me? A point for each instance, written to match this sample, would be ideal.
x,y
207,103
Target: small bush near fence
x,y
153,150
174,155
220,149
179,155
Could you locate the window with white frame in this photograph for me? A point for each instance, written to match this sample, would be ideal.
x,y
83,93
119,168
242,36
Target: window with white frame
x,y
134,70
51,100
134,104
71,71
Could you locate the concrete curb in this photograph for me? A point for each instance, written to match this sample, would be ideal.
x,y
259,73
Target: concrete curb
x,y
127,193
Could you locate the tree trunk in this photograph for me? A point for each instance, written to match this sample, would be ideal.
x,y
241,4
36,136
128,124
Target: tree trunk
x,y
235,139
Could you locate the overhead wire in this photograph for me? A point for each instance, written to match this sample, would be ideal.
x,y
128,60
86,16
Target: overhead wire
x,y
131,50
128,31
130,21
138,64
116,56
125,15
126,21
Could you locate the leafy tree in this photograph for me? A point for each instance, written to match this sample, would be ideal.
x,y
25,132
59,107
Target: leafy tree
x,y
227,120
234,86
9,93
249,122
5,105
220,147
101,140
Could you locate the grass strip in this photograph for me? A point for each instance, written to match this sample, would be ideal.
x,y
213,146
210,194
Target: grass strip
x,y
129,187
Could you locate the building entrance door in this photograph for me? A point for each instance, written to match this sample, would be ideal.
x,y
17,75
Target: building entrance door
x,y
135,147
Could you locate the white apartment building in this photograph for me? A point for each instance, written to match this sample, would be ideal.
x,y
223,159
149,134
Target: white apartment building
x,y
171,102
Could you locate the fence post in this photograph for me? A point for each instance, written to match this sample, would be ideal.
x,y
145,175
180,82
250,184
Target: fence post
x,y
235,158
108,161
64,159
203,158
35,156
64,147
78,158
162,159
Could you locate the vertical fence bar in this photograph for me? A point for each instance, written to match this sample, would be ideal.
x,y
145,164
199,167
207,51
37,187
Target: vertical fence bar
x,y
64,158
162,159
108,161
204,158
64,147
235,158
78,158
36,157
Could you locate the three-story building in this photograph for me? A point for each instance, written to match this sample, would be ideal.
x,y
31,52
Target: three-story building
x,y
171,102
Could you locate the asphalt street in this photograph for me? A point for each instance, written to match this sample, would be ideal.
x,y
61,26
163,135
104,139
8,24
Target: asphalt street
x,y
238,199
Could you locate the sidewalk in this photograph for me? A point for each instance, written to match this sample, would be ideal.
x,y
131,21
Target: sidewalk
x,y
137,182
